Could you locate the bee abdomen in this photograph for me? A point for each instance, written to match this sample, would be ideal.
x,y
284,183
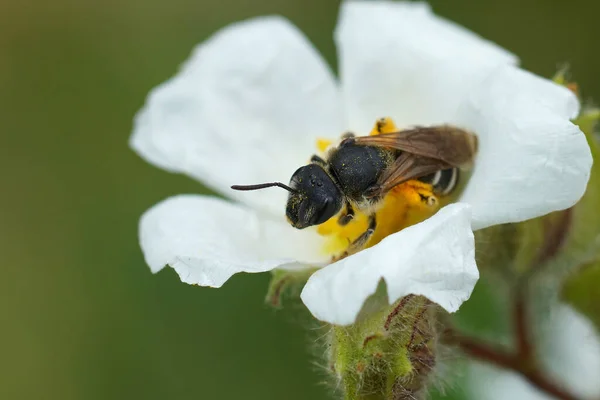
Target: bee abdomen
x,y
443,181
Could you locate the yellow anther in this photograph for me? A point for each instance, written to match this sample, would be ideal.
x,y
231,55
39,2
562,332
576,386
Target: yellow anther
x,y
405,205
383,125
323,144
339,237
417,194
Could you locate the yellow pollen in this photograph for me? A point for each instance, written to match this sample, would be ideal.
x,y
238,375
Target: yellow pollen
x,y
405,205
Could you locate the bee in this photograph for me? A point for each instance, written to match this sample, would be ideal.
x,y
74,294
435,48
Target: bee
x,y
359,172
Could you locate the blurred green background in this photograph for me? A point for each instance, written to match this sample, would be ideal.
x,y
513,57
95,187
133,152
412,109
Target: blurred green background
x,y
81,316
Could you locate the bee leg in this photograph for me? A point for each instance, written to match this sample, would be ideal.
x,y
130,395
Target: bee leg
x,y
362,240
348,215
315,159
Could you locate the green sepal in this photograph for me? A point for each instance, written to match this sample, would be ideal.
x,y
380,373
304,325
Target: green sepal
x,y
388,353
513,250
586,215
586,218
286,284
582,288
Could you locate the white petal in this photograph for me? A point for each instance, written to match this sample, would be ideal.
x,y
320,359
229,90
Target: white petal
x,y
246,108
532,160
393,60
489,383
207,240
435,259
572,352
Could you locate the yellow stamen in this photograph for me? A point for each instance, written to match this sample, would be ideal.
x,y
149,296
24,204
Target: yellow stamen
x,y
405,205
323,144
383,125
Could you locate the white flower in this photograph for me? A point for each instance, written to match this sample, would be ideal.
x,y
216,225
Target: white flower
x,y
570,354
252,100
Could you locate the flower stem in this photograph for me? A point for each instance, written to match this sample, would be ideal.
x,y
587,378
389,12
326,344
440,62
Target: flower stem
x,y
522,360
521,329
514,362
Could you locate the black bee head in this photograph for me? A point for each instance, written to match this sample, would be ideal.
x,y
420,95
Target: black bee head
x,y
315,197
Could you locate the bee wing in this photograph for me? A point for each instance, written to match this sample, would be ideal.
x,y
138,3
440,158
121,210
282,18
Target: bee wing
x,y
406,167
456,147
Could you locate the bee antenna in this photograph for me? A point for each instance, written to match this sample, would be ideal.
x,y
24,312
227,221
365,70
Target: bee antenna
x,y
263,186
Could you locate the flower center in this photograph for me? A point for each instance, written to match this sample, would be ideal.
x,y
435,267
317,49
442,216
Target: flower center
x,y
405,205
